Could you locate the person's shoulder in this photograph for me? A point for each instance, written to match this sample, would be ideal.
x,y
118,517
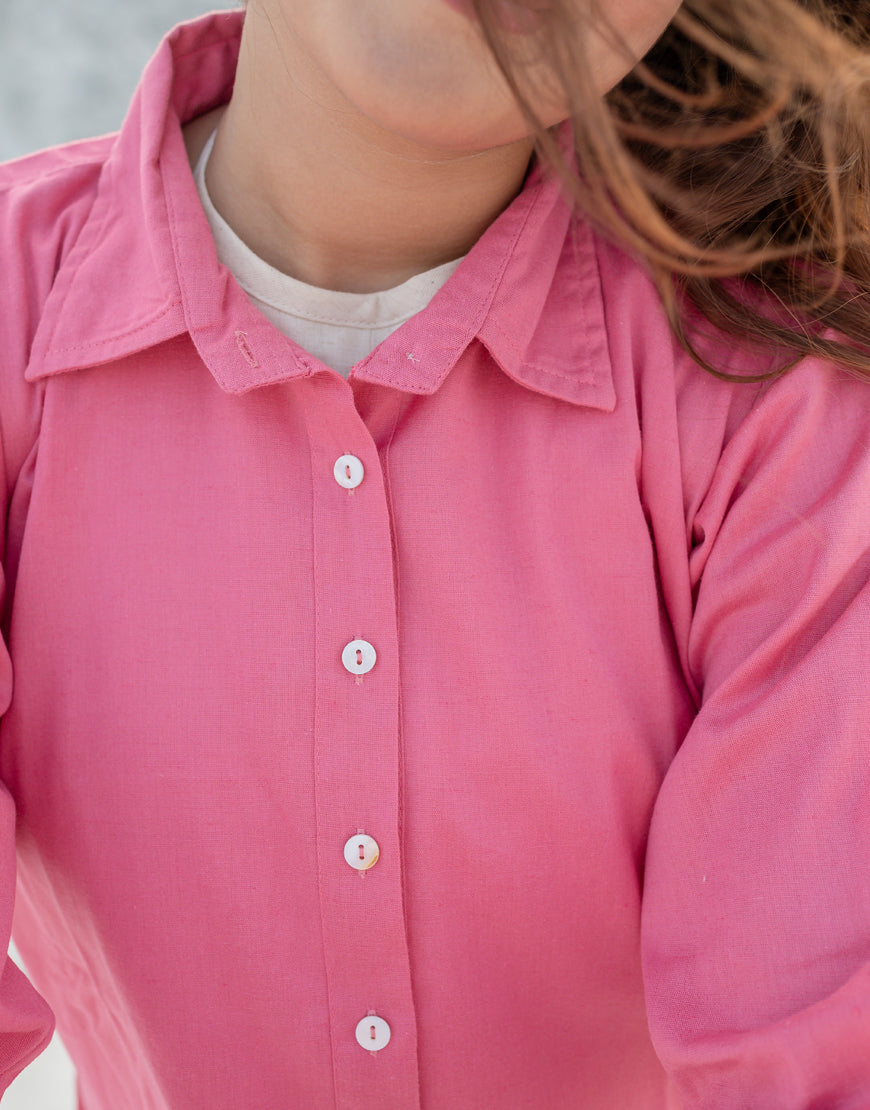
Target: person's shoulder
x,y
43,166
41,193
742,403
45,201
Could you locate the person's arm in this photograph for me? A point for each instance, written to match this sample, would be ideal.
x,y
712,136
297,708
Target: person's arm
x,y
756,917
26,1022
44,202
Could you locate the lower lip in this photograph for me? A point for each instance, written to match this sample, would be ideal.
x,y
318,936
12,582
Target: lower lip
x,y
519,18
464,7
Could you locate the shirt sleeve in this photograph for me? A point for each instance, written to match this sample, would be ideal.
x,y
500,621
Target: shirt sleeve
x,y
26,1022
41,212
756,914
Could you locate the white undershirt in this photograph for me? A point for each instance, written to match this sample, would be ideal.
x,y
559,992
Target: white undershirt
x,y
337,328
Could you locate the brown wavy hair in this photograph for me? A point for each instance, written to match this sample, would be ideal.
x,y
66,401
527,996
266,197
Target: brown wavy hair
x,y
734,160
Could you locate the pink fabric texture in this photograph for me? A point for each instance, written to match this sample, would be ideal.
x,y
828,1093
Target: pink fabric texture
x,y
615,746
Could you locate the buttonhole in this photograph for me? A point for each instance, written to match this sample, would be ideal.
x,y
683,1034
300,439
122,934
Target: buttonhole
x,y
245,348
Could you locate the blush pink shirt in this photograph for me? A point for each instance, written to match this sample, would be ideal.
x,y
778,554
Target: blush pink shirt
x,y
614,747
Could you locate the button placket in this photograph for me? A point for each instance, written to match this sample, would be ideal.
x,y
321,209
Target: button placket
x,y
357,760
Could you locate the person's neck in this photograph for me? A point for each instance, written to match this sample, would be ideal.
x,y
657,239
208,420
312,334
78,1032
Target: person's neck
x,y
323,194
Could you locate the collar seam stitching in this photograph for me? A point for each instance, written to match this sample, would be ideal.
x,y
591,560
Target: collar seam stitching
x,y
95,344
587,377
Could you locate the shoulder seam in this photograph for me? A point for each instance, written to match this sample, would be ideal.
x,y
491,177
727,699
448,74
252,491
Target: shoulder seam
x,y
88,157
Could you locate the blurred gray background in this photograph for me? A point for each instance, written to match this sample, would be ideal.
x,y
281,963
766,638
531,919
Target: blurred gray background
x,y
67,71
69,67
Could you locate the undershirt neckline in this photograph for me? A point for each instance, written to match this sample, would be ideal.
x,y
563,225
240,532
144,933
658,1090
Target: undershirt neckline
x,y
338,328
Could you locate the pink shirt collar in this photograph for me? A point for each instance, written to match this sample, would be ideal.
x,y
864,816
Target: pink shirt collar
x,y
147,226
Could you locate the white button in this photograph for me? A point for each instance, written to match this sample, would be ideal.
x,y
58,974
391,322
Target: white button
x,y
349,471
373,1033
361,852
359,657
